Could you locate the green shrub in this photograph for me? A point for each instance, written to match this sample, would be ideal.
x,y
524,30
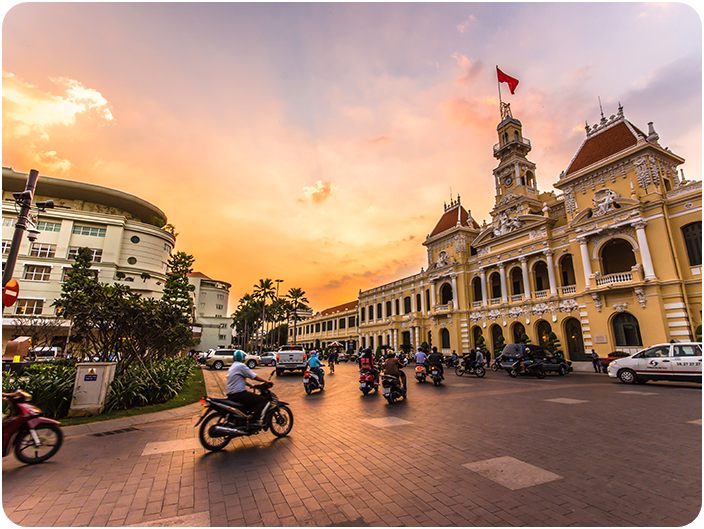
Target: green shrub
x,y
50,385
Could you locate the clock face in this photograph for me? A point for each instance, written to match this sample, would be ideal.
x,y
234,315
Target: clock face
x,y
508,181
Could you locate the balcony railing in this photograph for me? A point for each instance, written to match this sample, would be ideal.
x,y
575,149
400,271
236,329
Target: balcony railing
x,y
516,297
442,308
522,141
621,277
495,301
569,289
540,294
476,304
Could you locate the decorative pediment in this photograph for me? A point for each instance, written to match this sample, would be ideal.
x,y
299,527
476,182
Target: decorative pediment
x,y
519,224
606,204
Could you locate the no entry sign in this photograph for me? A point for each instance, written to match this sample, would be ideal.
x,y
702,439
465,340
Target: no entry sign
x,y
10,292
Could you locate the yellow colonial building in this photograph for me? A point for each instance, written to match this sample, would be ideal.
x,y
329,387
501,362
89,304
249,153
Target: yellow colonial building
x,y
612,261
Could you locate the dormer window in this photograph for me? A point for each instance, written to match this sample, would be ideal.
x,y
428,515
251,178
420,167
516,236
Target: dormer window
x,y
505,138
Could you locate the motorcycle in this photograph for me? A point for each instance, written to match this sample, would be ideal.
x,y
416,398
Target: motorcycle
x,y
367,382
435,375
223,419
392,388
420,373
496,364
34,438
449,362
533,368
311,381
477,370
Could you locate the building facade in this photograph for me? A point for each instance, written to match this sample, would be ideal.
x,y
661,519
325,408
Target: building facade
x,y
125,233
210,299
334,324
610,262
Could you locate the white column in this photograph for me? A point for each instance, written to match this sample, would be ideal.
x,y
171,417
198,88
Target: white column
x,y
432,295
644,250
502,274
395,331
423,308
483,276
455,294
526,280
551,273
586,261
417,336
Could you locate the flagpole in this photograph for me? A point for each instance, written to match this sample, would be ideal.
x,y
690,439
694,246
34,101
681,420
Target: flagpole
x,y
499,85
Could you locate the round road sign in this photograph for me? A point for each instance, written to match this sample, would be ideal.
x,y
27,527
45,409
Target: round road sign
x,y
10,292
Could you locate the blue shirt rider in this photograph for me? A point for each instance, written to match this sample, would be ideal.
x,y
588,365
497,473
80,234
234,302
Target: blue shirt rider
x,y
315,366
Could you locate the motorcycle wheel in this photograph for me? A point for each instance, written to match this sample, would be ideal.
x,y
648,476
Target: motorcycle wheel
x,y
459,371
281,421
391,399
50,439
308,390
479,371
494,367
540,374
513,372
212,443
365,391
436,381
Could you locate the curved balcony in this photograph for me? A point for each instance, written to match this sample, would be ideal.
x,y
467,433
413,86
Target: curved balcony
x,y
521,142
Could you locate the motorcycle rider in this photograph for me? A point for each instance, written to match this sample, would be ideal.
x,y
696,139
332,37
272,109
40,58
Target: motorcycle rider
x,y
435,359
394,368
479,359
366,361
421,359
314,364
236,387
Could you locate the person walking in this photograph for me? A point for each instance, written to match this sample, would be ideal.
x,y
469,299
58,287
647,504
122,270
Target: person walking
x,y
595,362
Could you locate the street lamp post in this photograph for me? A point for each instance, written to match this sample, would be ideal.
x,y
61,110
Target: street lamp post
x,y
278,328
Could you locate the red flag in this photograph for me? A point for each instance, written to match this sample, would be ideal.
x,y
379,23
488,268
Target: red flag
x,y
503,78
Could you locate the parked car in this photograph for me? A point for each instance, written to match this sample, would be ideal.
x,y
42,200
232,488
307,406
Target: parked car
x,y
604,362
268,359
291,358
552,363
219,358
667,361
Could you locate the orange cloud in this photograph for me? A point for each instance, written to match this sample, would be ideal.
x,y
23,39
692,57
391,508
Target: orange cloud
x,y
380,139
318,193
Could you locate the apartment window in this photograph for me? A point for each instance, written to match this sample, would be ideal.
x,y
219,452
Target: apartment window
x,y
330,325
42,250
361,314
317,327
378,311
29,307
222,337
6,247
95,257
371,312
351,321
693,240
342,323
36,273
388,309
221,296
66,270
45,225
91,231
9,222
219,307
407,305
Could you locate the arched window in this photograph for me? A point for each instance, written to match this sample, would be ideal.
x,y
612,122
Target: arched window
x,y
371,312
476,333
617,256
361,314
388,309
378,311
567,270
516,281
477,288
445,338
407,305
398,311
446,293
496,339
516,136
418,308
542,280
626,330
544,330
575,340
692,234
518,331
505,138
495,281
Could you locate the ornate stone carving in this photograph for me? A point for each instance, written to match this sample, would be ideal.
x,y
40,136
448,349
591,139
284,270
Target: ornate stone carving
x,y
540,309
568,305
597,301
620,307
494,314
640,295
460,244
542,232
443,259
604,201
504,224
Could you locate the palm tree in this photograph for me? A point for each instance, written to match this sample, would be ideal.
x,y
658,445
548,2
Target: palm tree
x,y
263,291
298,302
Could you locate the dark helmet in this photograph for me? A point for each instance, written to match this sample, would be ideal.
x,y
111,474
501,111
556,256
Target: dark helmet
x,y
435,349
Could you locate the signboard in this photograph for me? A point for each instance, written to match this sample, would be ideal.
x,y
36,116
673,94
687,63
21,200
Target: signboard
x,y
91,376
10,293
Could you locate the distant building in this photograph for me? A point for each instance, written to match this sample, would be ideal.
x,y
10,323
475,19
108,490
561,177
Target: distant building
x,y
334,324
210,299
611,263
124,232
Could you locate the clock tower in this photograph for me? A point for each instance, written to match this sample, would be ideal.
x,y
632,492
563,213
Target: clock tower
x,y
515,174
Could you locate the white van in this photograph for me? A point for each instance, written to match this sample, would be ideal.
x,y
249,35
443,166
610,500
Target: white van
x,y
667,361
45,354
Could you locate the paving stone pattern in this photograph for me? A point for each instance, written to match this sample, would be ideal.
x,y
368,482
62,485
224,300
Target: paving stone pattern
x,y
579,450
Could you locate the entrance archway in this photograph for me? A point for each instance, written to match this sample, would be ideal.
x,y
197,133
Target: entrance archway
x,y
518,331
476,333
626,330
445,338
544,329
496,339
446,293
617,256
575,340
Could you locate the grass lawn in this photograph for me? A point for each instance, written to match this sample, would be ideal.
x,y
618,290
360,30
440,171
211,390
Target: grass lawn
x,y
192,391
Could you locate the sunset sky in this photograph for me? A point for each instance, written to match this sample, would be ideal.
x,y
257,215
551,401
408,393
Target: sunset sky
x,y
316,143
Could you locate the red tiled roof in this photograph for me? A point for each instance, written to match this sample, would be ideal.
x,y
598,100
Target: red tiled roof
x,y
340,308
603,144
449,220
198,274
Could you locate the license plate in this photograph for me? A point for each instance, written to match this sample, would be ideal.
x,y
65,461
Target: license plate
x,y
305,381
387,391
362,385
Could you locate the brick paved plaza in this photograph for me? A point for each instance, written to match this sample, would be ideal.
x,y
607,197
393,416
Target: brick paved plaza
x,y
580,450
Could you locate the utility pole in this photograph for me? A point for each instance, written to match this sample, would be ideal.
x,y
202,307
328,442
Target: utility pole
x,y
24,200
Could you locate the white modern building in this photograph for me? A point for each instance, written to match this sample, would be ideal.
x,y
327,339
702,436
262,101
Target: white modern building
x,y
126,234
210,299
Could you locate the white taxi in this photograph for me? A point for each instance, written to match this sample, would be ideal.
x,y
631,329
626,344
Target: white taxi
x,y
667,361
